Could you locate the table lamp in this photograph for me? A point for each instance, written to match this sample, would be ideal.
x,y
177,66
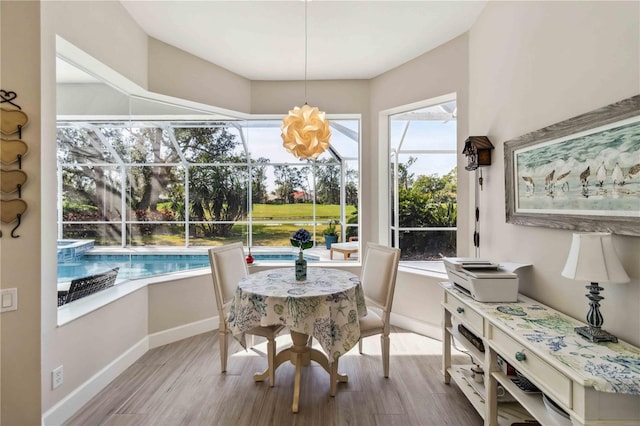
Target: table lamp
x,y
593,258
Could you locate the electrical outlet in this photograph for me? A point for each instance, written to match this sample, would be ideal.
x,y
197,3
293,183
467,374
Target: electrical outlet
x,y
9,299
57,377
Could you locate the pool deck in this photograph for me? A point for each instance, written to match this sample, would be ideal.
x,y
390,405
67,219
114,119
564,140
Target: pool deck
x,y
319,251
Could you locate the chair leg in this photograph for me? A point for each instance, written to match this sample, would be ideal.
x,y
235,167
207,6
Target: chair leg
x,y
223,351
384,339
271,360
333,378
360,344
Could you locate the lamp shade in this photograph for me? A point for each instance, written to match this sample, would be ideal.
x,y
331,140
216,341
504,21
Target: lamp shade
x,y
306,132
592,257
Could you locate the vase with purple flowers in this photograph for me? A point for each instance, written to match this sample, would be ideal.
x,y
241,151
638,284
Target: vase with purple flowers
x,y
301,239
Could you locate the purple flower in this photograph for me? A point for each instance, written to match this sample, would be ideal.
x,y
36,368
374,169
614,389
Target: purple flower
x,y
301,238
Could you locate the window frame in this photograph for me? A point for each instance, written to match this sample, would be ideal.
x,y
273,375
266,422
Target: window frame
x,y
393,201
169,124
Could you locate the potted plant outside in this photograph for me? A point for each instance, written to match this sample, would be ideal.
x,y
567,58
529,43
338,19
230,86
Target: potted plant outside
x,y
330,234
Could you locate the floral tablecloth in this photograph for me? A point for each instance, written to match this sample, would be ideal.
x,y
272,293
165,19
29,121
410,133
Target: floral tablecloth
x,y
327,306
608,367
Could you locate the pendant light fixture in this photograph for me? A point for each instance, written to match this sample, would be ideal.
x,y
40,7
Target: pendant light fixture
x,y
305,131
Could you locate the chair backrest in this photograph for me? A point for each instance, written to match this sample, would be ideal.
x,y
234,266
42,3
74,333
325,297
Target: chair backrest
x,y
228,266
81,287
378,276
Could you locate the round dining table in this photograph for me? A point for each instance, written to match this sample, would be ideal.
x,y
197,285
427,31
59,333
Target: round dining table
x,y
326,305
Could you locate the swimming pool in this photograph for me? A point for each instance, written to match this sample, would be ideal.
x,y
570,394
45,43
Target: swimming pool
x,y
140,265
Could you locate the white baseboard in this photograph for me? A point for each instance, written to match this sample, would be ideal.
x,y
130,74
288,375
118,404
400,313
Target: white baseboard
x,y
71,403
411,324
182,332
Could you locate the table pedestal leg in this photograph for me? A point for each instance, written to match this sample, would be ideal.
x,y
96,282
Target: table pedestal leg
x,y
335,378
281,357
300,355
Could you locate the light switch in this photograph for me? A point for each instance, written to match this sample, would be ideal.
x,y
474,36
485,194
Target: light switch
x,y
9,300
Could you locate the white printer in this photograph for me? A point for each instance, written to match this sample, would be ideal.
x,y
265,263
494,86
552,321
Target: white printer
x,y
483,280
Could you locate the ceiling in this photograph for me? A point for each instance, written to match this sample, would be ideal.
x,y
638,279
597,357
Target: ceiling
x,y
265,40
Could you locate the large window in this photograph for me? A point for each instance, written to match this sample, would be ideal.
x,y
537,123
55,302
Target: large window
x,y
423,181
181,182
158,173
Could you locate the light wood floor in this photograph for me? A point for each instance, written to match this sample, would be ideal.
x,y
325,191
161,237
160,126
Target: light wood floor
x,y
181,384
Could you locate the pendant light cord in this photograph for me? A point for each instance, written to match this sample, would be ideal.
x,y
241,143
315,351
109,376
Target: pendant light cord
x,y
305,52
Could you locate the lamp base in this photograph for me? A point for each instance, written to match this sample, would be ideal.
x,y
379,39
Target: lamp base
x,y
596,334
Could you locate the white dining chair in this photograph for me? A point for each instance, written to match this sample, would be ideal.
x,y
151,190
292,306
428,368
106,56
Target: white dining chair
x,y
228,266
378,280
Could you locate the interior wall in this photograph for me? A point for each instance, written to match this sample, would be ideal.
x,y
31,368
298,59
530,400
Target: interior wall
x,y
533,64
91,99
173,72
87,345
419,298
442,71
196,302
439,72
96,27
19,266
333,97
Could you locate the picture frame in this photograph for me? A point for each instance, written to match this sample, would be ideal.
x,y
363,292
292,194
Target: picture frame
x,y
581,174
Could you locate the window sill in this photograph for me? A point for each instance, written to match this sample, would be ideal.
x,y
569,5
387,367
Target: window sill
x,y
433,269
81,307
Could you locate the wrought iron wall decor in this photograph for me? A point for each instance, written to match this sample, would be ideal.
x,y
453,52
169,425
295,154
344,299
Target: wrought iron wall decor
x,y
13,150
12,210
12,181
12,120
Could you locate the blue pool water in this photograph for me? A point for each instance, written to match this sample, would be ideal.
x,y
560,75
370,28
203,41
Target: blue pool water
x,y
133,266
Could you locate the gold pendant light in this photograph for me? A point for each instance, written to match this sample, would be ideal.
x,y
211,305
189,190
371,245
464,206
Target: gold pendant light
x,y
305,131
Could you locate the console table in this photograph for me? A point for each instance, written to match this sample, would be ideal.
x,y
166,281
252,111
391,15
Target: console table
x,y
593,383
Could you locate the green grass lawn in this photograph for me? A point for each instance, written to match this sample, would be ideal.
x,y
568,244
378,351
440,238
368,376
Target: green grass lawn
x,y
298,211
275,233
263,235
278,235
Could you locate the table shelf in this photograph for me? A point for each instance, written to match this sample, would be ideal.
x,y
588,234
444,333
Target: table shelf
x,y
532,402
468,346
508,412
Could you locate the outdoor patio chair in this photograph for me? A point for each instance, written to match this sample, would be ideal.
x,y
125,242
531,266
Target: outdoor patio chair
x,y
347,249
82,287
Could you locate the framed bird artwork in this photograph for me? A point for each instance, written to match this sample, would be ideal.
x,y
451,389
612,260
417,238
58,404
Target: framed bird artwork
x,y
581,174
